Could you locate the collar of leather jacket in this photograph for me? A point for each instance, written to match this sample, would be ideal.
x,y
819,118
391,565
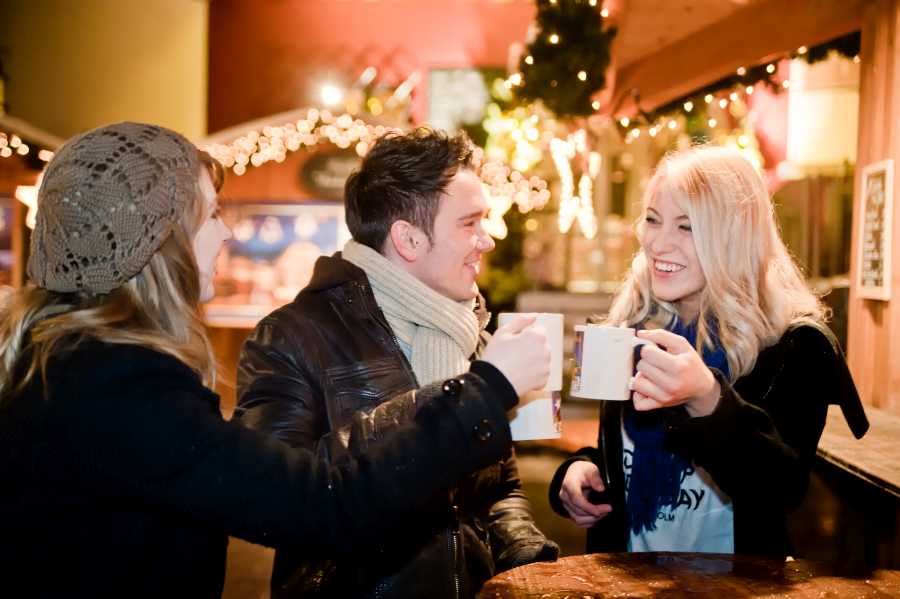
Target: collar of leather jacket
x,y
333,271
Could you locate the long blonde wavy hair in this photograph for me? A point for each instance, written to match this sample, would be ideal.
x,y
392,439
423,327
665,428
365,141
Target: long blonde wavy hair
x,y
754,290
158,308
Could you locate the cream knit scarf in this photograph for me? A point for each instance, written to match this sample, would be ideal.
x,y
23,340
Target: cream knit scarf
x,y
443,333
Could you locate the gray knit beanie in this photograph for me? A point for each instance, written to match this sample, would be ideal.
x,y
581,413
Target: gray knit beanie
x,y
108,200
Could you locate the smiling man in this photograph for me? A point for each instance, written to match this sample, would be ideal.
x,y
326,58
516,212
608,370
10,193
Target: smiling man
x,y
337,370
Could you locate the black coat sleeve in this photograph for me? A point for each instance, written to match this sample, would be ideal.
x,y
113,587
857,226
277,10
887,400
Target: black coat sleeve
x,y
145,437
760,445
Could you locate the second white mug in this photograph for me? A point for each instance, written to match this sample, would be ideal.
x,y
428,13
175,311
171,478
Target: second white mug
x,y
604,362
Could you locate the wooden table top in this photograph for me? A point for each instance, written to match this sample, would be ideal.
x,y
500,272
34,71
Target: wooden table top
x,y
874,458
695,575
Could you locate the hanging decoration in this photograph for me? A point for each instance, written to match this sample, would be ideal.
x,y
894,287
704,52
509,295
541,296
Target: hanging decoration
x,y
565,61
737,86
578,206
504,186
13,145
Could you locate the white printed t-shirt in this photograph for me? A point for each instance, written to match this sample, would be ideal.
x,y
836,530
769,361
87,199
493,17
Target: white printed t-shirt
x,y
702,521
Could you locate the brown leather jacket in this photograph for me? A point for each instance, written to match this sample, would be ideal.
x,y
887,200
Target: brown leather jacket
x,y
326,373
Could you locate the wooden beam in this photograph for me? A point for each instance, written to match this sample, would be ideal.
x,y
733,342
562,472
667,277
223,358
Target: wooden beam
x,y
873,340
747,37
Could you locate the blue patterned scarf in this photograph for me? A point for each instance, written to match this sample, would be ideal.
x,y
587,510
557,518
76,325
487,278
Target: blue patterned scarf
x,y
656,473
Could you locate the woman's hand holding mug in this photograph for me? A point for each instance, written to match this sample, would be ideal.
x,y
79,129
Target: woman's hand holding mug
x,y
672,375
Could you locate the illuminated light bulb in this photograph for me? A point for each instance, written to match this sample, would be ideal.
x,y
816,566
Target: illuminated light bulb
x,y
723,103
636,132
239,169
749,90
856,59
802,50
672,124
712,123
708,98
604,12
595,104
741,71
733,97
14,141
688,106
652,132
624,121
22,150
5,152
770,69
582,75
554,39
786,84
45,155
743,140
515,79
529,59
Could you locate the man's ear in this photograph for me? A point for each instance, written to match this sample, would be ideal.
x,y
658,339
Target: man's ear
x,y
407,240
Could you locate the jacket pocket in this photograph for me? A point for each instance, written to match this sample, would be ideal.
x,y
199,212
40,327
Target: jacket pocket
x,y
364,385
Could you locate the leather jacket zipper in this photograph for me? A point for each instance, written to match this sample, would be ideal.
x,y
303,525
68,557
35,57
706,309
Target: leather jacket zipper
x,y
454,552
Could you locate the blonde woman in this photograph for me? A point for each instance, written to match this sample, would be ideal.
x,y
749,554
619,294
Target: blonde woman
x,y
727,408
120,477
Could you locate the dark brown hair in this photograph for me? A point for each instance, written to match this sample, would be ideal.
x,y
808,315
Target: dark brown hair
x,y
402,178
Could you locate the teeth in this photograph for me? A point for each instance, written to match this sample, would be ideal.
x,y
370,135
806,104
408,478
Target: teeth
x,y
667,266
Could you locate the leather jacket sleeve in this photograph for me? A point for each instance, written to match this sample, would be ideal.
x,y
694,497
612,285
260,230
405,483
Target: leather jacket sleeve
x,y
514,538
276,393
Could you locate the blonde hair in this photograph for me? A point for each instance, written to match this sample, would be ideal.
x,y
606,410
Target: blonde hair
x,y
754,290
158,308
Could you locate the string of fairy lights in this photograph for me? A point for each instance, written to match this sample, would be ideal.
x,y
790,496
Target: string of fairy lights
x,y
505,187
13,145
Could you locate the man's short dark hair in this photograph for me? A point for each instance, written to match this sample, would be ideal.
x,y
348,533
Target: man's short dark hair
x,y
402,178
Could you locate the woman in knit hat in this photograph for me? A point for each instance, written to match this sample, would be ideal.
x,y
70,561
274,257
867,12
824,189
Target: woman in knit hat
x,y
119,475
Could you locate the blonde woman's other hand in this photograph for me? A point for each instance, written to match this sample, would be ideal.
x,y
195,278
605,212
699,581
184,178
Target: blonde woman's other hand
x,y
673,374
582,477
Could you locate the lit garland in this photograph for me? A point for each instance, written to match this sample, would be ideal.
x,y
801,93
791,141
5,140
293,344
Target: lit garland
x,y
503,186
737,86
11,144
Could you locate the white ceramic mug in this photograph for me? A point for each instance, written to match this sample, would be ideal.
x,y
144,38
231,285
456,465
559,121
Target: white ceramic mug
x,y
604,362
537,415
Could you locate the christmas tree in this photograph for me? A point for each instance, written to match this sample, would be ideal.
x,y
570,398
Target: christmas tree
x,y
565,62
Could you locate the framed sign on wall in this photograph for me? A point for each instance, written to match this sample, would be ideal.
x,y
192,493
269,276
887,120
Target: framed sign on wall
x,y
877,196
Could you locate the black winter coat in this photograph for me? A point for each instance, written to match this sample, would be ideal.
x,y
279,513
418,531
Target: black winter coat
x,y
125,481
758,445
325,373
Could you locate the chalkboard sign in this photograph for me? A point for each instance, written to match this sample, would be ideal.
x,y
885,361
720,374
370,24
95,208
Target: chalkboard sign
x,y
874,265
